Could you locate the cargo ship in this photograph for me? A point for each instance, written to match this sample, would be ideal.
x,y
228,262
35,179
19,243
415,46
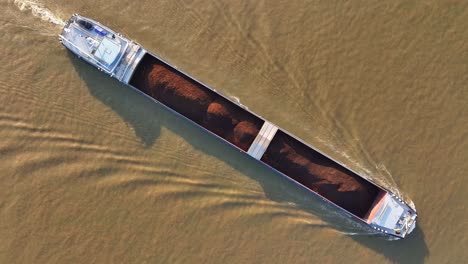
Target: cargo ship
x,y
357,197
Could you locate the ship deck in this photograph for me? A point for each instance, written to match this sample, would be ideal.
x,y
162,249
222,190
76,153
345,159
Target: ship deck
x,y
100,46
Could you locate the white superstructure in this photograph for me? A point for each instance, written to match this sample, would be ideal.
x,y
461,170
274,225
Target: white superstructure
x,y
102,47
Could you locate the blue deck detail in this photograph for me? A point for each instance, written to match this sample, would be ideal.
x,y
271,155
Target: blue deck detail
x,y
100,30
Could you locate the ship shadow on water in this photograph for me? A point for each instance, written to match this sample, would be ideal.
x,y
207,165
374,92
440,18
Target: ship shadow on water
x,y
147,118
412,249
126,103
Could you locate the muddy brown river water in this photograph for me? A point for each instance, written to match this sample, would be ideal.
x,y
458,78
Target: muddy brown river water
x,y
93,172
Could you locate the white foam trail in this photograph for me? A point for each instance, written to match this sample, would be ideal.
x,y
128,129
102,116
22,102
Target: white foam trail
x,y
38,10
235,98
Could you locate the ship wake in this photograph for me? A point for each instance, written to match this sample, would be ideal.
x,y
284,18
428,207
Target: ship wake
x,y
39,10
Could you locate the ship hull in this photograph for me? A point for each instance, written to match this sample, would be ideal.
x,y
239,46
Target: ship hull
x,y
127,61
